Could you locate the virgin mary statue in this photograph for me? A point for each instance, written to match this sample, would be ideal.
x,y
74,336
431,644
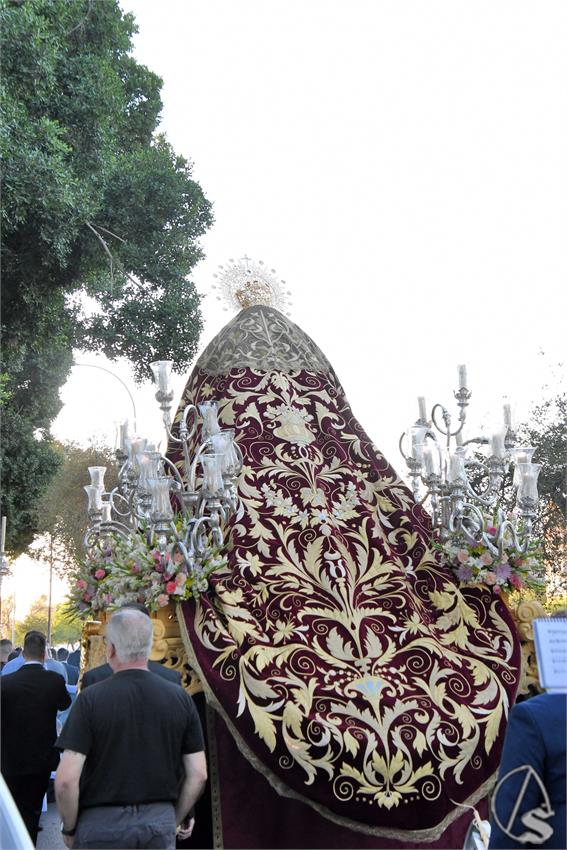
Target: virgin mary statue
x,y
356,695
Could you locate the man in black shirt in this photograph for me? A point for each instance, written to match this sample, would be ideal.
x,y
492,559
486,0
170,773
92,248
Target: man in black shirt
x,y
133,761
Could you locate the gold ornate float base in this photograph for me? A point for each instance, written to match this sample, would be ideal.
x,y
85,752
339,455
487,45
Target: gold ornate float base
x,y
169,650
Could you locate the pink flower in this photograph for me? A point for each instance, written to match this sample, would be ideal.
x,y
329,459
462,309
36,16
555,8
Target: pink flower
x,y
516,581
462,556
486,559
490,578
87,597
491,530
180,578
497,588
100,573
162,600
81,584
171,586
136,568
168,576
159,567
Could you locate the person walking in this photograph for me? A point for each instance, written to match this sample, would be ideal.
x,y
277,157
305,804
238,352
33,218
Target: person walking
x,y
133,760
30,700
72,671
5,650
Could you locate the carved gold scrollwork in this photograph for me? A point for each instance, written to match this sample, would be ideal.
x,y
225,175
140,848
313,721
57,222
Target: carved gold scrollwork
x,y
524,613
167,647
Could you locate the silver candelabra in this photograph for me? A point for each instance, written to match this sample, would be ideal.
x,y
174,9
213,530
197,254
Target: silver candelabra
x,y
142,501
436,454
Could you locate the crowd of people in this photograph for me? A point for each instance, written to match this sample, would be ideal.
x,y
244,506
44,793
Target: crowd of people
x,y
130,761
129,758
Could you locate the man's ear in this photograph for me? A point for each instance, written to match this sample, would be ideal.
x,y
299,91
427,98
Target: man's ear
x,y
110,650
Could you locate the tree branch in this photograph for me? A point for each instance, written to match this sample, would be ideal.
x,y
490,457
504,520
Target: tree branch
x,y
110,255
82,21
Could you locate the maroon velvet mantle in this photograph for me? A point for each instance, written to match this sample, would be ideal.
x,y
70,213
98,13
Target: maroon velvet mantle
x,y
351,670
250,814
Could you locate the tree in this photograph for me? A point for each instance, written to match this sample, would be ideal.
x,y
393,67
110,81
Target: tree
x,y
101,221
62,508
63,629
546,431
6,616
36,618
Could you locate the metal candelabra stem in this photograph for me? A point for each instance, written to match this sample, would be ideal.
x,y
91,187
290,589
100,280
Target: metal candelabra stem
x,y
439,473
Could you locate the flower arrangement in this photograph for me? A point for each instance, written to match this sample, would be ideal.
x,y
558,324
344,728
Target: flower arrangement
x,y
119,571
474,563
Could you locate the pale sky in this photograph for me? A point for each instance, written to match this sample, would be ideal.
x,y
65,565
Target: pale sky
x,y
401,164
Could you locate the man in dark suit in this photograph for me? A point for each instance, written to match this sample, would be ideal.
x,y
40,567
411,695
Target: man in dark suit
x,y
528,805
72,671
30,700
97,674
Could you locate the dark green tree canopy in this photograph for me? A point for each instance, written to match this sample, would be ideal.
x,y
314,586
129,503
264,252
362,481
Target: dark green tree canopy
x,y
95,203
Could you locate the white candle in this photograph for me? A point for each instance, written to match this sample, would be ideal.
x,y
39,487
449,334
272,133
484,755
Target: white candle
x,y
3,538
94,496
429,460
97,476
462,377
422,408
106,512
529,473
459,438
508,416
497,445
457,467
161,370
417,437
124,436
137,445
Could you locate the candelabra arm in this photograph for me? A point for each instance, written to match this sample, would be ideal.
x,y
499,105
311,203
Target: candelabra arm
x,y
446,420
176,474
486,497
115,495
185,433
401,446
192,467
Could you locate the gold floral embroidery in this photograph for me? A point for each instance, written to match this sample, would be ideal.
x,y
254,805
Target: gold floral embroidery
x,y
349,652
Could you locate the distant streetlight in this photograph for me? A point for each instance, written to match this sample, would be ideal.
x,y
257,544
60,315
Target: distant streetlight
x,y
114,375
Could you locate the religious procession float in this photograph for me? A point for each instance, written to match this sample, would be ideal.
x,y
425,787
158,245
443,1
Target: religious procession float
x,y
348,638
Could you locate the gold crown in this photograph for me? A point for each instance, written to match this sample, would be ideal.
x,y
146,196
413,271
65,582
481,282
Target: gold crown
x,y
245,283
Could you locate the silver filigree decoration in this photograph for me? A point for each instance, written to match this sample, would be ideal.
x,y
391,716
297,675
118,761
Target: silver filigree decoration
x,y
246,283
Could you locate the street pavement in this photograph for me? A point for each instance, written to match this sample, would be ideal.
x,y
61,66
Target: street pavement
x,y
50,836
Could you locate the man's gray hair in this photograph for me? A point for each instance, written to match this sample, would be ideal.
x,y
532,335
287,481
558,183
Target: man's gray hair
x,y
131,633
